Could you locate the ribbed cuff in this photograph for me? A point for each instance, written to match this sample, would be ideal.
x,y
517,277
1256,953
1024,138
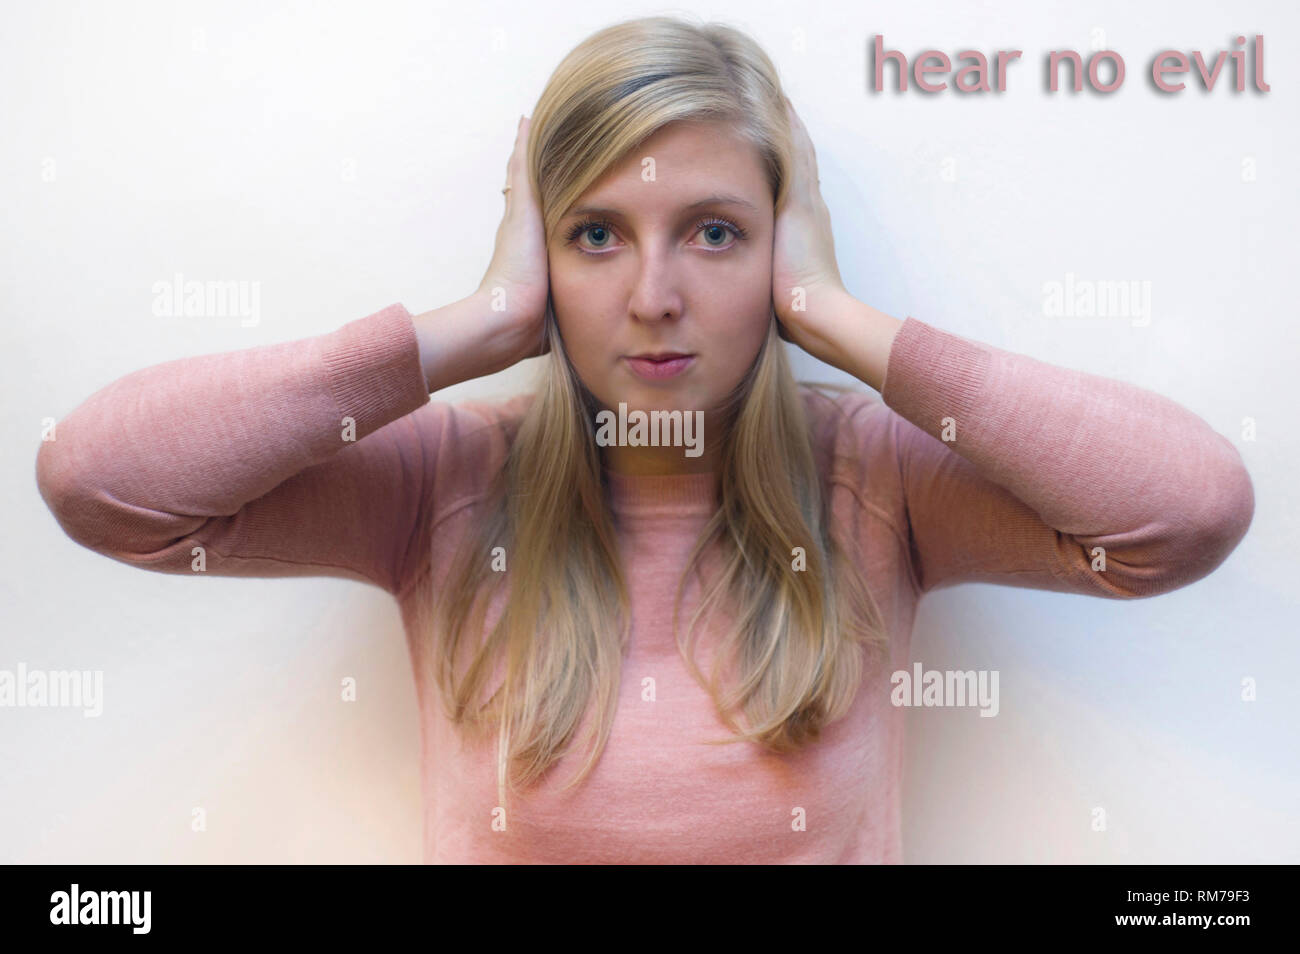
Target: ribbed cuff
x,y
933,374
373,368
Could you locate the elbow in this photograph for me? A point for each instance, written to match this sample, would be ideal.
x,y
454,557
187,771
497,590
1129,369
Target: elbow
x,y
93,515
1217,526
86,514
1231,514
57,482
1201,540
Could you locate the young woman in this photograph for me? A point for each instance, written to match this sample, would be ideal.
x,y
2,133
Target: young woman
x,y
632,653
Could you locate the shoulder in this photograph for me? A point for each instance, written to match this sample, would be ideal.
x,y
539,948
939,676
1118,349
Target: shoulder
x,y
466,443
857,439
472,423
846,424
493,417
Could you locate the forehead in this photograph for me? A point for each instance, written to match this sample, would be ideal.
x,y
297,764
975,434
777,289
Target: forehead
x,y
682,165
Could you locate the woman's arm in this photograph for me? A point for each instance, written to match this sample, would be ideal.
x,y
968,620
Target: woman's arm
x,y
293,459
1013,470
1020,472
305,458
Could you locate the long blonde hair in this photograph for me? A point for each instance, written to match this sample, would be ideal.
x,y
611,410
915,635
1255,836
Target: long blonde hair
x,y
797,637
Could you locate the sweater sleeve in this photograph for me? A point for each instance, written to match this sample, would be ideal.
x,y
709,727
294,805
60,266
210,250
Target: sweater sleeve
x,y
1019,472
294,459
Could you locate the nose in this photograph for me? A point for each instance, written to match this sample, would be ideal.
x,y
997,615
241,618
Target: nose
x,y
656,292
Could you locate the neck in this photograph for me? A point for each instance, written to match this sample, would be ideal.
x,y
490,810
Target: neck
x,y
665,461
657,461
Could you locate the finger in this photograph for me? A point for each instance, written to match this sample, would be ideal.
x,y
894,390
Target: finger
x,y
512,167
521,142
520,137
807,151
799,138
514,148
516,173
801,131
807,161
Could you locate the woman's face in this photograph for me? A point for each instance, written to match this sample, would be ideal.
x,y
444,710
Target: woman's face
x,y
651,259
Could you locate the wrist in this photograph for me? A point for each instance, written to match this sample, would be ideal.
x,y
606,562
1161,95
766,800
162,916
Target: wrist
x,y
859,339
457,342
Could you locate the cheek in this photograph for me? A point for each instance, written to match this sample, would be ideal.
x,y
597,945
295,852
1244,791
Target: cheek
x,y
576,287
577,315
572,307
746,336
745,316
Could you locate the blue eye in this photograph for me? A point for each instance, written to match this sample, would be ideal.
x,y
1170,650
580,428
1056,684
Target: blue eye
x,y
600,230
716,227
597,228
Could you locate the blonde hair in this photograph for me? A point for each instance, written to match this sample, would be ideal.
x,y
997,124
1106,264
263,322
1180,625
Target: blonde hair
x,y
797,637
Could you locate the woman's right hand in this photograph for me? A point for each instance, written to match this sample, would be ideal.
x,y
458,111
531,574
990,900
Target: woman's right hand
x,y
516,286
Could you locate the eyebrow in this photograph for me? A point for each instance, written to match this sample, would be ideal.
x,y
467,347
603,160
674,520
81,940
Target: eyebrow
x,y
717,198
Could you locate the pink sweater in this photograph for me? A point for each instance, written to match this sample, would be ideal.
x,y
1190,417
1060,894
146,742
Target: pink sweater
x,y
241,453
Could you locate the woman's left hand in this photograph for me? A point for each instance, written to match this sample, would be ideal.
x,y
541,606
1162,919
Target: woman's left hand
x,y
805,278
813,308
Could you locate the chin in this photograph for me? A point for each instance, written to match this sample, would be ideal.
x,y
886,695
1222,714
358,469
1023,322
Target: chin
x,y
666,398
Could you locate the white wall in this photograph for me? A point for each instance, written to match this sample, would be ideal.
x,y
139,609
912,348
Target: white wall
x,y
216,140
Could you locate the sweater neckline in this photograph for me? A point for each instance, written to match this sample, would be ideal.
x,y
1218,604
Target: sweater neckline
x,y
664,493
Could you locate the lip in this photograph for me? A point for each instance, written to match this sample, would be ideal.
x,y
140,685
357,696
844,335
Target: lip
x,y
669,366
